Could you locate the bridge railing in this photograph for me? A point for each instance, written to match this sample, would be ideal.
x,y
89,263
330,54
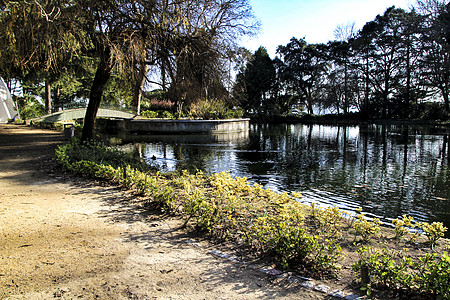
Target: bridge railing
x,y
75,105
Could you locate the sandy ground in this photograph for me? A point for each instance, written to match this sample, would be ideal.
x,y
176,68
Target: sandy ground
x,y
68,238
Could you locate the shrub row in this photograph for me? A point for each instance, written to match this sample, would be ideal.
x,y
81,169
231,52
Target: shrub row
x,y
276,225
205,109
227,208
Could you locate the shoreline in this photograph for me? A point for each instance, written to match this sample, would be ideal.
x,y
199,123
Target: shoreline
x,y
341,120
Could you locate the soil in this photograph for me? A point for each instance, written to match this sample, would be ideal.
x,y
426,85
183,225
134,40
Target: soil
x,y
68,238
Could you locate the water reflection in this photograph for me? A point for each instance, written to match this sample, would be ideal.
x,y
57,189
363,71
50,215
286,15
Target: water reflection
x,y
386,170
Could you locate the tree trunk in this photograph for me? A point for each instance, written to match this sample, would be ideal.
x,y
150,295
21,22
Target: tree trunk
x,y
48,97
445,92
408,78
385,94
102,76
346,94
365,110
138,88
446,102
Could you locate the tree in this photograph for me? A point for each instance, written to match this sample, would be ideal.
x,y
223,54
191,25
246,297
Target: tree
x,y
342,80
255,82
341,54
410,88
385,47
305,69
435,48
117,37
190,43
35,41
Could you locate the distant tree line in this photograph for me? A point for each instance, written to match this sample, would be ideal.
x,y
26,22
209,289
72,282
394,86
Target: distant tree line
x,y
394,67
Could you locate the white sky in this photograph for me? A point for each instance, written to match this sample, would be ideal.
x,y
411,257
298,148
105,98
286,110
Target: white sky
x,y
313,20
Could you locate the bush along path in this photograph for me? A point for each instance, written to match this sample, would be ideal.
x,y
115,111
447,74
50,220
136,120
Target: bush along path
x,y
410,260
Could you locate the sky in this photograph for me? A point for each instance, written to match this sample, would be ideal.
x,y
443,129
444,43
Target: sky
x,y
313,20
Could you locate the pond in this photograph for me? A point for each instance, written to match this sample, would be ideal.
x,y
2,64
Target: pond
x,y
386,170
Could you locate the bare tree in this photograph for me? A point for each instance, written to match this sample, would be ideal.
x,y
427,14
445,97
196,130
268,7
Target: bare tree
x,y
345,32
191,56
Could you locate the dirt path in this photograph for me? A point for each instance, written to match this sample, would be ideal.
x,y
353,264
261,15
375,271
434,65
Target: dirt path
x,y
62,237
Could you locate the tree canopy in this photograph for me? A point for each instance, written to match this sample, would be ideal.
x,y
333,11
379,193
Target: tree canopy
x,y
391,68
184,40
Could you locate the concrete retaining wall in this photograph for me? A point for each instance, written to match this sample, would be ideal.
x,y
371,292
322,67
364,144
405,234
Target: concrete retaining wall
x,y
172,126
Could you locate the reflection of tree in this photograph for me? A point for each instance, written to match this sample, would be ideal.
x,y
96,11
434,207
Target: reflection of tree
x,y
388,170
195,158
382,170
446,149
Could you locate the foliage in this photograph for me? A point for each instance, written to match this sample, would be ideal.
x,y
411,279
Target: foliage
x,y
429,274
98,153
151,114
157,100
29,107
387,268
303,70
402,226
432,111
208,109
365,227
434,275
327,220
255,83
433,231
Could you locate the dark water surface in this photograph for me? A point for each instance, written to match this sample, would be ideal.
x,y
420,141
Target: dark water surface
x,y
387,170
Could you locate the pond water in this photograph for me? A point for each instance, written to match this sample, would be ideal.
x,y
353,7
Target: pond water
x,y
387,170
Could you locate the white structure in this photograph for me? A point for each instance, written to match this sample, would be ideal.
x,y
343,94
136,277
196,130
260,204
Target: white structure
x,y
7,108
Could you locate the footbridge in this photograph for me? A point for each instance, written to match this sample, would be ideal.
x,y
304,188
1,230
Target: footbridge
x,y
79,113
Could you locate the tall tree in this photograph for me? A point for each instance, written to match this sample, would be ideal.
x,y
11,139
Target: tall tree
x,y
195,53
35,41
342,76
341,54
117,37
255,82
306,66
181,35
436,47
379,44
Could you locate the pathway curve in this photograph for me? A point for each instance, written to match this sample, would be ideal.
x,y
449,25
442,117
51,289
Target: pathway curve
x,y
63,237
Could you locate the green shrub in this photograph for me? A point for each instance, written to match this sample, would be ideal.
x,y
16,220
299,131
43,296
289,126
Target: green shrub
x,y
29,107
430,274
432,111
149,114
433,231
403,226
366,228
99,153
327,221
209,109
433,275
162,114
